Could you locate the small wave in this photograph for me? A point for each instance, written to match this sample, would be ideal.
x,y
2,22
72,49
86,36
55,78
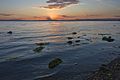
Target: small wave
x,y
46,75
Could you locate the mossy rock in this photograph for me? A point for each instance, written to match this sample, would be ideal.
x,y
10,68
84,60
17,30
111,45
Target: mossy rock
x,y
38,49
54,63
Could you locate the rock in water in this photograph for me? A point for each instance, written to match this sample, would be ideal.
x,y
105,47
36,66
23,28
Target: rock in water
x,y
9,32
77,41
70,42
74,33
38,49
54,63
109,39
70,37
41,44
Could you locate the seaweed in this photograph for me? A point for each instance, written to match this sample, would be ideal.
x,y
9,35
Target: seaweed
x,y
54,63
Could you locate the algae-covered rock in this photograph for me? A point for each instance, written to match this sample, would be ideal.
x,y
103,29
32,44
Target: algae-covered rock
x,y
54,63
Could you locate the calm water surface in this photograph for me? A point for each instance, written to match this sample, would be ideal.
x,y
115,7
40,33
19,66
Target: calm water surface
x,y
18,61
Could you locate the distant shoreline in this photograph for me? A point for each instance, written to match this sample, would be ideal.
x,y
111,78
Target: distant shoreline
x,y
70,20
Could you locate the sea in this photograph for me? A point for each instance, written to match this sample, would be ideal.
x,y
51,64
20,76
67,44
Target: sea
x,y
79,44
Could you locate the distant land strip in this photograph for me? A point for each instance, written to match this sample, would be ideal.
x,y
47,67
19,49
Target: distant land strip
x,y
68,20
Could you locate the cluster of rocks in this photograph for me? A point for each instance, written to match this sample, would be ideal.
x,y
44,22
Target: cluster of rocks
x,y
110,71
70,39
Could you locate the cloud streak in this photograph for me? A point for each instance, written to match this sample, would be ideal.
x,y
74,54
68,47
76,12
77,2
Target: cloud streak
x,y
5,14
59,4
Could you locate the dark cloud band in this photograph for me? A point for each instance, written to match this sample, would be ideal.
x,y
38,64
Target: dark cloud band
x,y
58,4
5,14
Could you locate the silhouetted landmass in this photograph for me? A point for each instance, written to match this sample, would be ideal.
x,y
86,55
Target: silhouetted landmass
x,y
105,19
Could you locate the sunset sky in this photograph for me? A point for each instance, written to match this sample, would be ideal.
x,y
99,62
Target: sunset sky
x,y
58,9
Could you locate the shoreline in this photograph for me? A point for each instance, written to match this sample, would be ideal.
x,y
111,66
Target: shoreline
x,y
111,71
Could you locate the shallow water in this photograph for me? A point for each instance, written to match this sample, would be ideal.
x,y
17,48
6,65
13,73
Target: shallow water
x,y
18,61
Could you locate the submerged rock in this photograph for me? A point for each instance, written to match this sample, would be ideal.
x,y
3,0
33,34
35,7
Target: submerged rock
x,y
77,41
84,35
54,63
74,33
38,49
109,39
104,38
104,34
12,58
85,43
9,32
78,37
41,44
75,63
69,42
69,37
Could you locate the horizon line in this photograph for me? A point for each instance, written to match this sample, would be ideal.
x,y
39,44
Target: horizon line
x,y
102,19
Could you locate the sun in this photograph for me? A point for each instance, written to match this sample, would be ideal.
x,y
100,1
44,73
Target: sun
x,y
53,16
